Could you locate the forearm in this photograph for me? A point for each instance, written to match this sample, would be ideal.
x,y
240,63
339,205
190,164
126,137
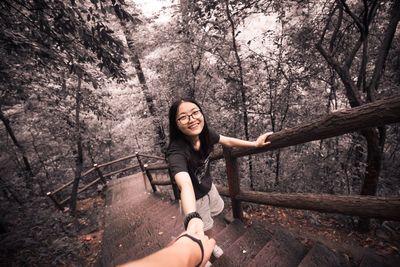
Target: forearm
x,y
261,141
182,255
188,199
235,142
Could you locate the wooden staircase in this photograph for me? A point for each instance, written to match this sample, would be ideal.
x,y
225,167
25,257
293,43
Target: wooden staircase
x,y
138,223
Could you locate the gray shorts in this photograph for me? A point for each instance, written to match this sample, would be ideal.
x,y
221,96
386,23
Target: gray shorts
x,y
209,206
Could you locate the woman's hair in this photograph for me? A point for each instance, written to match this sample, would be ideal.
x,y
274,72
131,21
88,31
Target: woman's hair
x,y
175,134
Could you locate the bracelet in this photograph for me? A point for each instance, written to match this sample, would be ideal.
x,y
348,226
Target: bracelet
x,y
198,241
190,216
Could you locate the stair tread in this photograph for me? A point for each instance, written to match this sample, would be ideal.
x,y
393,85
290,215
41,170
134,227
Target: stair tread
x,y
244,249
321,256
282,251
228,235
160,227
373,260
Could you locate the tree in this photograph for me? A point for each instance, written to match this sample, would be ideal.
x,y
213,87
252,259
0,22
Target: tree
x,y
355,64
43,45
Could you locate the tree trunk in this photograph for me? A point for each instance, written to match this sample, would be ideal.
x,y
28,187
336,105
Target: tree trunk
x,y
374,137
240,82
278,167
148,97
78,154
20,149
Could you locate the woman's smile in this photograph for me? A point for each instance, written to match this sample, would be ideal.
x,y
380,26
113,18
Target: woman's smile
x,y
195,124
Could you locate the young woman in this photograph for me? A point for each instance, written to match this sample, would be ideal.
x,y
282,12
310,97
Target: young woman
x,y
191,142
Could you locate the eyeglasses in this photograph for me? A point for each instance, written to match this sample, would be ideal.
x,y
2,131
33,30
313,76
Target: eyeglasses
x,y
186,118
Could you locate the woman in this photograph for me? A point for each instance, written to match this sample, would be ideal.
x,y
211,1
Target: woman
x,y
191,142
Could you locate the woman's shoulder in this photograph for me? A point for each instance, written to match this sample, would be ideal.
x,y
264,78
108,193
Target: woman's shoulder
x,y
177,145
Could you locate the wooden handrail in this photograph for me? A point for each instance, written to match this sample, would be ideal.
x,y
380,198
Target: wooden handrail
x,y
387,208
96,167
337,123
152,157
116,161
121,170
62,187
81,190
374,114
157,167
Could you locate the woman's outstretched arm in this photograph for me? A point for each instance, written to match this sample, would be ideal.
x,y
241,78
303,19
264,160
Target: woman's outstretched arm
x,y
261,141
188,201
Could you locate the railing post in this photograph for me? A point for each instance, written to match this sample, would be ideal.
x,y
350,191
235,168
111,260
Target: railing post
x,y
148,174
232,174
96,167
58,205
142,169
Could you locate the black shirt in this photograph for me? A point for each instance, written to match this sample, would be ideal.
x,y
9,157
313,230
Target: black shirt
x,y
183,158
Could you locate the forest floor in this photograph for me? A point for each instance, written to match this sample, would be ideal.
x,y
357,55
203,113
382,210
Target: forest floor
x,y
64,241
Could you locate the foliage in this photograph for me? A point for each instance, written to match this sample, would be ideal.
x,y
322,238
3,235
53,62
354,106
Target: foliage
x,y
47,46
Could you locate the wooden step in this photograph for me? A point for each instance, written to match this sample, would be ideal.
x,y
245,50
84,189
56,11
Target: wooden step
x,y
155,233
229,234
321,256
373,260
282,251
138,223
245,248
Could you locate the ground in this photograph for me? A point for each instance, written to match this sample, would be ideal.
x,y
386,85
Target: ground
x,y
333,229
62,240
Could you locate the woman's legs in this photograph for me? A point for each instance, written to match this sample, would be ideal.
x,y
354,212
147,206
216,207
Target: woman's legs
x,y
210,206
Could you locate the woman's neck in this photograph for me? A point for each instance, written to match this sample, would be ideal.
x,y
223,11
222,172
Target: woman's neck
x,y
194,141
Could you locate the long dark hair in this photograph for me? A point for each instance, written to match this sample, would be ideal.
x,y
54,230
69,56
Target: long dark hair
x,y
175,134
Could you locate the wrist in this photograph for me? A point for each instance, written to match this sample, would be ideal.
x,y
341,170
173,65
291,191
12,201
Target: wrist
x,y
255,144
189,217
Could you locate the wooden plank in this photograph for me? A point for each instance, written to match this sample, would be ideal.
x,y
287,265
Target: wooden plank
x,y
282,251
232,174
228,236
364,206
244,249
121,170
373,260
116,161
154,233
151,156
156,167
321,256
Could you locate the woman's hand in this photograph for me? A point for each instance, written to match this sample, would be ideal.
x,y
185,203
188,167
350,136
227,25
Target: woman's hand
x,y
262,140
195,226
208,245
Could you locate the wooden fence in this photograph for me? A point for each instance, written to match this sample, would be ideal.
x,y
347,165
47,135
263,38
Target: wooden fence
x,y
375,114
102,178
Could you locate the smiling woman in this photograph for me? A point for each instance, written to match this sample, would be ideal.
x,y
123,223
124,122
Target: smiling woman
x,y
191,142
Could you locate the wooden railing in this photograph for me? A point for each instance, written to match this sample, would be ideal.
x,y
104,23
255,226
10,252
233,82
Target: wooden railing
x,y
375,114
102,178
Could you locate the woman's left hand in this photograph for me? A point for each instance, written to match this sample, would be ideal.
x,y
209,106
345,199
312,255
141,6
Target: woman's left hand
x,y
262,140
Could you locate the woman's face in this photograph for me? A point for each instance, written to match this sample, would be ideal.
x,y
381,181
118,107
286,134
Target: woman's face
x,y
189,119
